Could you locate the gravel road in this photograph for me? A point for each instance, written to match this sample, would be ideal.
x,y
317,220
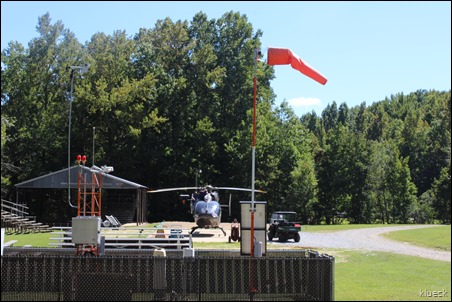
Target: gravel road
x,y
370,239
360,239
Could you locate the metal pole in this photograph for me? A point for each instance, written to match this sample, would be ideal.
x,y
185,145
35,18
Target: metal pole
x,y
94,136
253,168
69,144
253,145
82,69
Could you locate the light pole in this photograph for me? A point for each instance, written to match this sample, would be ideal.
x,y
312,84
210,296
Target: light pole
x,y
82,69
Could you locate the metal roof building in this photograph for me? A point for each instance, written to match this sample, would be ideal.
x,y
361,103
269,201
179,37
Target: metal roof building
x,y
59,180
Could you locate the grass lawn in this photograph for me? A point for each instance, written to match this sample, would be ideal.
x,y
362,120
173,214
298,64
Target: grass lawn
x,y
379,276
34,239
343,227
434,238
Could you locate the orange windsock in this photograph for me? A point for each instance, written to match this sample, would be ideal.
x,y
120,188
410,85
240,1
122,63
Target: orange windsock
x,y
284,56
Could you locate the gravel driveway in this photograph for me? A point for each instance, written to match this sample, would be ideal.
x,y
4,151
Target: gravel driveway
x,y
368,239
359,239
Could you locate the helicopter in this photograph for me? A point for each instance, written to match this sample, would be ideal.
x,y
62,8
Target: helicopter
x,y
205,204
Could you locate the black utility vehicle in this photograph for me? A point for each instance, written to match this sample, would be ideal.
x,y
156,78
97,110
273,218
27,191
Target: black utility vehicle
x,y
283,226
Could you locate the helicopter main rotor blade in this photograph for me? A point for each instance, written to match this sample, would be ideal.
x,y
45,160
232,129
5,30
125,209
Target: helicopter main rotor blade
x,y
172,189
197,188
240,189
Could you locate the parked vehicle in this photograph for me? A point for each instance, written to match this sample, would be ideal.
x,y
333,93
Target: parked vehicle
x,y
283,226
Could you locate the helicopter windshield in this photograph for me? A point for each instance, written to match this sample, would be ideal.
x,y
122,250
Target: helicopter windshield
x,y
208,208
213,207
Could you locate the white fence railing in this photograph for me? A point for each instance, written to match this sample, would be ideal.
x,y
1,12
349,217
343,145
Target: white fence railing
x,y
131,237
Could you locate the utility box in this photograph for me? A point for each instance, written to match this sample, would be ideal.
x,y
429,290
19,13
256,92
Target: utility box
x,y
188,253
260,228
159,275
86,230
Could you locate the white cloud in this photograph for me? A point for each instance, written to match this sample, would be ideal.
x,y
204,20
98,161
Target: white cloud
x,y
300,102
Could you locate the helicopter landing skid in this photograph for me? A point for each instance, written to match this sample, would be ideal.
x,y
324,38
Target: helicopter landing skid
x,y
197,227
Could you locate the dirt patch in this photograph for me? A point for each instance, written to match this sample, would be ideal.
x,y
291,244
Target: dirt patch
x,y
201,234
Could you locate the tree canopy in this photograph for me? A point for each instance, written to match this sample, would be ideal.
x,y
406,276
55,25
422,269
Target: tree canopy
x,y
177,98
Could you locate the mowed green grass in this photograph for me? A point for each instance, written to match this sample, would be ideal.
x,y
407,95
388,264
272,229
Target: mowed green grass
x,y
367,276
33,239
322,228
379,276
437,237
359,275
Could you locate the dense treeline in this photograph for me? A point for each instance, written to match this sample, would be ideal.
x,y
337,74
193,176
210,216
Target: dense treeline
x,y
177,98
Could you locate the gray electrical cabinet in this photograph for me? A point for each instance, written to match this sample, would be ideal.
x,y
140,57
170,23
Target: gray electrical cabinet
x,y
86,230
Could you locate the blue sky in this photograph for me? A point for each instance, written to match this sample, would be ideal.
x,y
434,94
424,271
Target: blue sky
x,y
366,50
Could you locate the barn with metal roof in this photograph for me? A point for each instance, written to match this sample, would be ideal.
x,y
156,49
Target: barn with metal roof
x,y
124,199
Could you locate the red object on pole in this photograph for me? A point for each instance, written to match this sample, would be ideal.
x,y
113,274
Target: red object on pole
x,y
284,56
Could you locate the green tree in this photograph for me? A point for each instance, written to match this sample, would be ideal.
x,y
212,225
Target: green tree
x,y
349,161
402,190
34,95
414,145
344,115
7,167
124,109
327,199
442,192
379,195
391,191
421,210
329,116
